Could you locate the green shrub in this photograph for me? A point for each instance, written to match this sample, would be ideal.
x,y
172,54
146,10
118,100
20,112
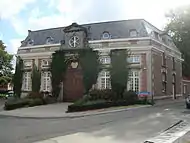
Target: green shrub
x,y
49,99
34,95
130,97
13,103
105,94
35,102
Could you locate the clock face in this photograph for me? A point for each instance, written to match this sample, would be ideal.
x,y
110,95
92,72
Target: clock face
x,y
74,42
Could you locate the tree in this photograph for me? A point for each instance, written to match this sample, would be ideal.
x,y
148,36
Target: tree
x,y
119,71
179,29
36,79
17,79
6,66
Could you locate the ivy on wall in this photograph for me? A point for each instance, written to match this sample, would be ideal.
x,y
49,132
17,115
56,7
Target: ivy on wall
x,y
58,68
119,70
36,79
89,61
17,79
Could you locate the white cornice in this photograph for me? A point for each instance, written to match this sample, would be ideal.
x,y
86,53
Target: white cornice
x,y
102,41
118,40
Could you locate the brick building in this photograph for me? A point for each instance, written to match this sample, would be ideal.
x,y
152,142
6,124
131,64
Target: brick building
x,y
156,64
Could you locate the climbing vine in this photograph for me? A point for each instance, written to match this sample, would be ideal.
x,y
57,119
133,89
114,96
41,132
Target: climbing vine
x,y
58,68
88,59
36,79
119,70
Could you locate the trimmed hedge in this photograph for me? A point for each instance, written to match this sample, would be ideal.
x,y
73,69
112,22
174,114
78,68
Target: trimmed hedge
x,y
98,99
99,104
35,102
14,103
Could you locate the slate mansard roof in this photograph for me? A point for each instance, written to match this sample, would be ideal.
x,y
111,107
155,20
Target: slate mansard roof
x,y
117,30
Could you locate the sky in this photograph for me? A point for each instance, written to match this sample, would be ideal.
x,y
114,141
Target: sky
x,y
19,16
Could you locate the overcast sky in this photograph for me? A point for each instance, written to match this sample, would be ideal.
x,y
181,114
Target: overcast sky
x,y
17,16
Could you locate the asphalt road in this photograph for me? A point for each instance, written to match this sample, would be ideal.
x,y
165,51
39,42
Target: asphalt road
x,y
1,104
129,126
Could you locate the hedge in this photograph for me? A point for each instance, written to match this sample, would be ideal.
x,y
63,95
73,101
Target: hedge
x,y
14,103
96,105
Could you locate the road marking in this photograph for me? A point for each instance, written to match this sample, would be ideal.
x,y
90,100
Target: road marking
x,y
172,134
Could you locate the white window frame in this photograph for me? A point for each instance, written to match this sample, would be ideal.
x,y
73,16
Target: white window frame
x,y
45,63
134,59
105,82
46,81
26,81
134,80
105,60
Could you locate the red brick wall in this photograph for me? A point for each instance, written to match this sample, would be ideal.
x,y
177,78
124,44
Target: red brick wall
x,y
156,71
157,80
143,81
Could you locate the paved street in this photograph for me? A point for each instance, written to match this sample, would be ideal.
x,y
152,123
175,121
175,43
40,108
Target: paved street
x,y
1,104
127,126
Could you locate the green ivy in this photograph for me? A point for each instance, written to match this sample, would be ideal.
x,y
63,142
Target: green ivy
x,y
89,61
119,71
58,68
17,79
36,79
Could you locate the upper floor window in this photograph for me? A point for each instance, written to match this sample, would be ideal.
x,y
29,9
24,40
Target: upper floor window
x,y
133,33
133,59
45,63
105,35
49,40
105,60
30,42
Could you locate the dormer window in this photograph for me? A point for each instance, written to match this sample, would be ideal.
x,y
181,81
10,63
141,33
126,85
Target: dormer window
x,y
106,35
49,40
133,33
30,42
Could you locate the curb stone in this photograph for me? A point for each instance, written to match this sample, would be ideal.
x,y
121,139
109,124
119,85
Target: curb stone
x,y
172,134
72,115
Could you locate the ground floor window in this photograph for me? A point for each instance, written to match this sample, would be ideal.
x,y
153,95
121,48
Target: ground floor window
x,y
46,81
27,81
105,80
133,83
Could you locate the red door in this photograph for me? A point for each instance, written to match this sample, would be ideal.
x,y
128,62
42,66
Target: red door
x,y
73,88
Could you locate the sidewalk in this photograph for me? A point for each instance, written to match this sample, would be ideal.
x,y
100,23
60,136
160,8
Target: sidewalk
x,y
59,111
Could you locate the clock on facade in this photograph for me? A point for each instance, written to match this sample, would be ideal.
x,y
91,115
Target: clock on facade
x,y
74,42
